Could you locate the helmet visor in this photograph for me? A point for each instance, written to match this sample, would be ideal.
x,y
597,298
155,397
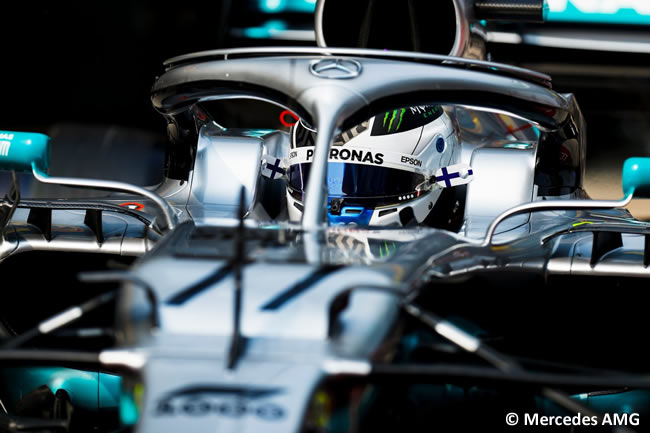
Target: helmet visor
x,y
367,184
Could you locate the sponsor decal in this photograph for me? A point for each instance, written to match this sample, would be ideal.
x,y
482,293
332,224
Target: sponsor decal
x,y
6,136
426,111
346,155
357,155
405,119
228,401
413,161
4,147
392,119
349,154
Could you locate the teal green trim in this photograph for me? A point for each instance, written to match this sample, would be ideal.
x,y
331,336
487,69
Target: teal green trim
x,y
128,410
284,6
19,151
627,14
257,133
519,146
272,6
545,11
624,401
536,131
636,177
265,31
38,170
110,389
81,385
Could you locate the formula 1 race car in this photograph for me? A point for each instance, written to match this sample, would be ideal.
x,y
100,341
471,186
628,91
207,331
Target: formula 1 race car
x,y
346,239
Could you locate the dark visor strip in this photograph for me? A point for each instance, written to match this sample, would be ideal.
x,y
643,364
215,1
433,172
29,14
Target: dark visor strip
x,y
300,287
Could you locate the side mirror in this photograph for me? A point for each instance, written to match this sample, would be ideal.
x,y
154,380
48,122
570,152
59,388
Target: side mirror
x,y
20,151
435,27
386,24
30,152
636,177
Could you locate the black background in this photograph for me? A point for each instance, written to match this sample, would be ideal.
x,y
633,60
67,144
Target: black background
x,y
96,63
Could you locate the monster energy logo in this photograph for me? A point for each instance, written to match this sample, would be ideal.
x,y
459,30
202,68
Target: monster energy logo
x,y
425,111
392,119
387,249
4,148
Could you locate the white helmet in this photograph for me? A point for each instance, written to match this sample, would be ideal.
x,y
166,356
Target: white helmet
x,y
381,172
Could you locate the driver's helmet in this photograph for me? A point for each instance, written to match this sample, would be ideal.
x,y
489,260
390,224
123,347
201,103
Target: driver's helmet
x,y
380,172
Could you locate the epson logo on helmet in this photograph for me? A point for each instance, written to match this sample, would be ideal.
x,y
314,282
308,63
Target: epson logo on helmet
x,y
412,161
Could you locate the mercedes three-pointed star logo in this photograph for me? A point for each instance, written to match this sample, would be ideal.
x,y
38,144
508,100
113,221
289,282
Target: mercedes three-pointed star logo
x,y
337,69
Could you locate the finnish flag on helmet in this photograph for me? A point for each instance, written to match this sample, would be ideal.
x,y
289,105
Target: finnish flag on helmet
x,y
272,167
454,175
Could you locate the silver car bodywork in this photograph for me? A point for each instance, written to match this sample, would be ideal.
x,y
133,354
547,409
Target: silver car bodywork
x,y
294,335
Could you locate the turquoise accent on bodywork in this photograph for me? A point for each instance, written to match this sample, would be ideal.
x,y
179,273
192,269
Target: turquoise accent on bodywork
x,y
268,30
257,133
19,150
109,390
636,177
546,10
89,390
279,6
596,12
619,402
128,410
519,146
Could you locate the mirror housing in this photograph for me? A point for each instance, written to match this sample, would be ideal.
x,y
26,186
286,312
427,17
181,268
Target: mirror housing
x,y
636,177
21,151
390,25
30,152
445,27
